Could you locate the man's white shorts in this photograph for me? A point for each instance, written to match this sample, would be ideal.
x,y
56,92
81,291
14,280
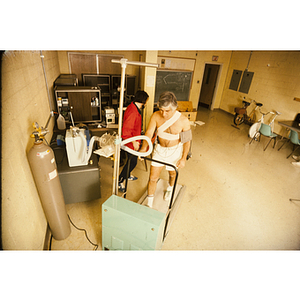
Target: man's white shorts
x,y
169,155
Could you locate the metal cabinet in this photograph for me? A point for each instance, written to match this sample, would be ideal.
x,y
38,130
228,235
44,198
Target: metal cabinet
x,y
79,184
102,82
66,80
83,101
110,86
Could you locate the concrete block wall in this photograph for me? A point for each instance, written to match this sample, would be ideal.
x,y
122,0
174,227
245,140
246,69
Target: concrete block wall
x,y
275,83
201,58
24,101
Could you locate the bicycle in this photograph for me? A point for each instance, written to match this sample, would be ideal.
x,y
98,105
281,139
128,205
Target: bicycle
x,y
241,114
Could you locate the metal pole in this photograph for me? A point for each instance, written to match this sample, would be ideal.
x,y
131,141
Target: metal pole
x,y
123,65
116,165
119,135
124,62
47,87
51,115
136,63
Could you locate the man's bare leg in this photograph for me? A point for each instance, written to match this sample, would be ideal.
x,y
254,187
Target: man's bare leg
x,y
172,176
154,176
168,193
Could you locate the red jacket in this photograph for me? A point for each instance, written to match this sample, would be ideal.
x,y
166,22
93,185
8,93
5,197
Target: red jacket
x,y
132,123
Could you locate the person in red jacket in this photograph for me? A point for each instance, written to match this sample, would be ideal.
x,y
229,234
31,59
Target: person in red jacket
x,y
132,126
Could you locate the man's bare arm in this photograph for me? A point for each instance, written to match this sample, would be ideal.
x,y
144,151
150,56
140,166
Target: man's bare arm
x,y
185,146
149,132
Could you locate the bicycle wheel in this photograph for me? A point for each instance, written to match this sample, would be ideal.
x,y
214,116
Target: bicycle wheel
x,y
254,129
238,119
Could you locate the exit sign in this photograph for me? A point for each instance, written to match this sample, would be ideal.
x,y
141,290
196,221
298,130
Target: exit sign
x,y
215,58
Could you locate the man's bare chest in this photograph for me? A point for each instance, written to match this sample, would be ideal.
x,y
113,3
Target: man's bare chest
x,y
173,129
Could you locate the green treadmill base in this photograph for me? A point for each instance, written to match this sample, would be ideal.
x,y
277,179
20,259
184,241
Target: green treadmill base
x,y
127,225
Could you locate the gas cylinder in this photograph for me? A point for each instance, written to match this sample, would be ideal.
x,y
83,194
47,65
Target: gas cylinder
x,y
43,167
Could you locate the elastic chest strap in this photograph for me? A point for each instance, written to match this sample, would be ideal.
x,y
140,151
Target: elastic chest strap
x,y
169,122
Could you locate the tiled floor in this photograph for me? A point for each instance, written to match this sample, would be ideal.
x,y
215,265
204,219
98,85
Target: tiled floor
x,y
236,198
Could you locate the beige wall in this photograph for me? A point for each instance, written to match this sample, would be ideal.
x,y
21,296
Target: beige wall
x,y
24,101
275,85
275,82
201,58
130,55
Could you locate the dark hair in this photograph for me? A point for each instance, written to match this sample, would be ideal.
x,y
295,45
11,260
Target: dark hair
x,y
140,97
166,99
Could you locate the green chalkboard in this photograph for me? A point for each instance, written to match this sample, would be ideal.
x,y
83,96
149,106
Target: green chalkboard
x,y
178,82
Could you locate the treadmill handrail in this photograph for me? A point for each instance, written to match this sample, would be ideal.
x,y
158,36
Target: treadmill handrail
x,y
173,191
175,182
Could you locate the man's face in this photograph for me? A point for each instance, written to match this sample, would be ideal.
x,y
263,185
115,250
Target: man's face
x,y
167,112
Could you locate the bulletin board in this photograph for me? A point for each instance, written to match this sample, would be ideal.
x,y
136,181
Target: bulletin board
x,y
178,82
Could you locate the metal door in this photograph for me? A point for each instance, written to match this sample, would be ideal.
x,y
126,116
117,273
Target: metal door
x,y
208,84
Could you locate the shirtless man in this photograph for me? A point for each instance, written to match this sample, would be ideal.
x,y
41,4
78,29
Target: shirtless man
x,y
174,136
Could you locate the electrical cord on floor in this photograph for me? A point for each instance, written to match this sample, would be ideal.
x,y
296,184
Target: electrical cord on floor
x,y
50,243
81,229
96,246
